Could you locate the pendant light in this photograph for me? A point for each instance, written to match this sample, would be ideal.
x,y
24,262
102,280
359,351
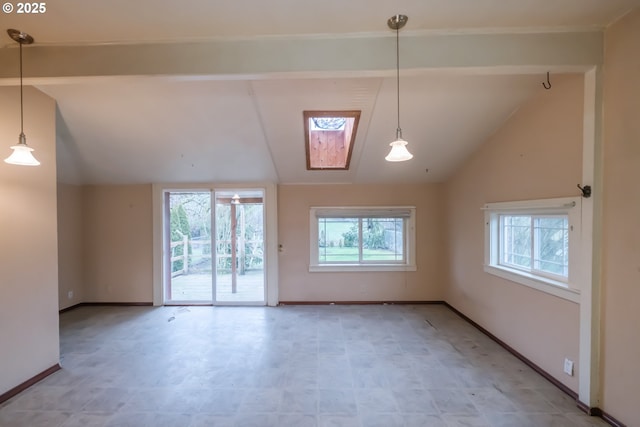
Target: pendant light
x,y
22,152
399,152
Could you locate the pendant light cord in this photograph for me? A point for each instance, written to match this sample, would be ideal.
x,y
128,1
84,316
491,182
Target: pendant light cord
x,y
21,99
399,130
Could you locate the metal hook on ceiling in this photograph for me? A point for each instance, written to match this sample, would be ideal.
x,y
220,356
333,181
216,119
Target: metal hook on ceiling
x,y
547,85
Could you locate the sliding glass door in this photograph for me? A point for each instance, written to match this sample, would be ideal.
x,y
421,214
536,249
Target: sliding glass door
x,y
214,252
239,248
188,258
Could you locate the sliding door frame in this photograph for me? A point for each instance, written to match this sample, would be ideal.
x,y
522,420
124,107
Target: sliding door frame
x,y
270,233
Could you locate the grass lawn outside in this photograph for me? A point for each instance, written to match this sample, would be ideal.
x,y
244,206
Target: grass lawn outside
x,y
350,254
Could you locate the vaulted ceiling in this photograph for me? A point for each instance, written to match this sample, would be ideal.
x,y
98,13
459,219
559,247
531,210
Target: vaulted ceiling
x,y
209,91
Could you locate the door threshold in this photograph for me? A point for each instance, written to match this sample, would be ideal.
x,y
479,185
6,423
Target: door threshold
x,y
186,303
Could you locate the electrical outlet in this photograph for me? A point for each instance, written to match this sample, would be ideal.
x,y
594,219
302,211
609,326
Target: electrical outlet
x,y
70,294
568,367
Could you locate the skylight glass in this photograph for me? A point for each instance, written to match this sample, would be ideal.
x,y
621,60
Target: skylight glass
x,y
327,123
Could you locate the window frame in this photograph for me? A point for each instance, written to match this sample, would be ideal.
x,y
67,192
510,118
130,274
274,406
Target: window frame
x,y
406,212
567,288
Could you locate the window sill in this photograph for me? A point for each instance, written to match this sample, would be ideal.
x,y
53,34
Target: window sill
x,y
335,268
548,286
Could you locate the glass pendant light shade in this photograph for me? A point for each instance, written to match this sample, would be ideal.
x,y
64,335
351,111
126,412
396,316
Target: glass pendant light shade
x,y
22,154
399,152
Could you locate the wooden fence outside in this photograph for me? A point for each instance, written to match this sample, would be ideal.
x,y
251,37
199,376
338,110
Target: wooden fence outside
x,y
255,253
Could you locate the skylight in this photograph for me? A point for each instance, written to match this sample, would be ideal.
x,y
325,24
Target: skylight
x,y
329,138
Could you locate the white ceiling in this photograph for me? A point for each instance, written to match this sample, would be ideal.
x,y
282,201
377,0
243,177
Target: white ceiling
x,y
250,128
226,131
83,21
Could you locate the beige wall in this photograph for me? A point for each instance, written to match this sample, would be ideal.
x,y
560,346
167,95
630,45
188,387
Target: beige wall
x,y
117,241
536,154
621,222
70,245
28,253
298,284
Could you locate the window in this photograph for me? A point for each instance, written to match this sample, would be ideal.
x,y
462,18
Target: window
x,y
329,137
362,239
535,243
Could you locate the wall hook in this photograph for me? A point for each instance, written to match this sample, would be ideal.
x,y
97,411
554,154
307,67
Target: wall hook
x,y
547,85
586,191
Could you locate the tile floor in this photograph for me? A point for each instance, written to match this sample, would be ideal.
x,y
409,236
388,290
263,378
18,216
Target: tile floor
x,y
391,365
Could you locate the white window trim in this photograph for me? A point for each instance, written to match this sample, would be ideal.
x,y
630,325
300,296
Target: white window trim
x,y
570,206
410,241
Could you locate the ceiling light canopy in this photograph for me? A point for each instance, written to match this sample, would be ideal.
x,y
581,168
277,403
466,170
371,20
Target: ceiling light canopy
x,y
22,153
399,152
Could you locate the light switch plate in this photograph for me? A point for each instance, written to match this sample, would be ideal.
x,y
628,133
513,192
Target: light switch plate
x,y
568,367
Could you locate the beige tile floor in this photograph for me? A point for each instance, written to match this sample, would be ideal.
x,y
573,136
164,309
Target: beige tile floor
x,y
294,366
